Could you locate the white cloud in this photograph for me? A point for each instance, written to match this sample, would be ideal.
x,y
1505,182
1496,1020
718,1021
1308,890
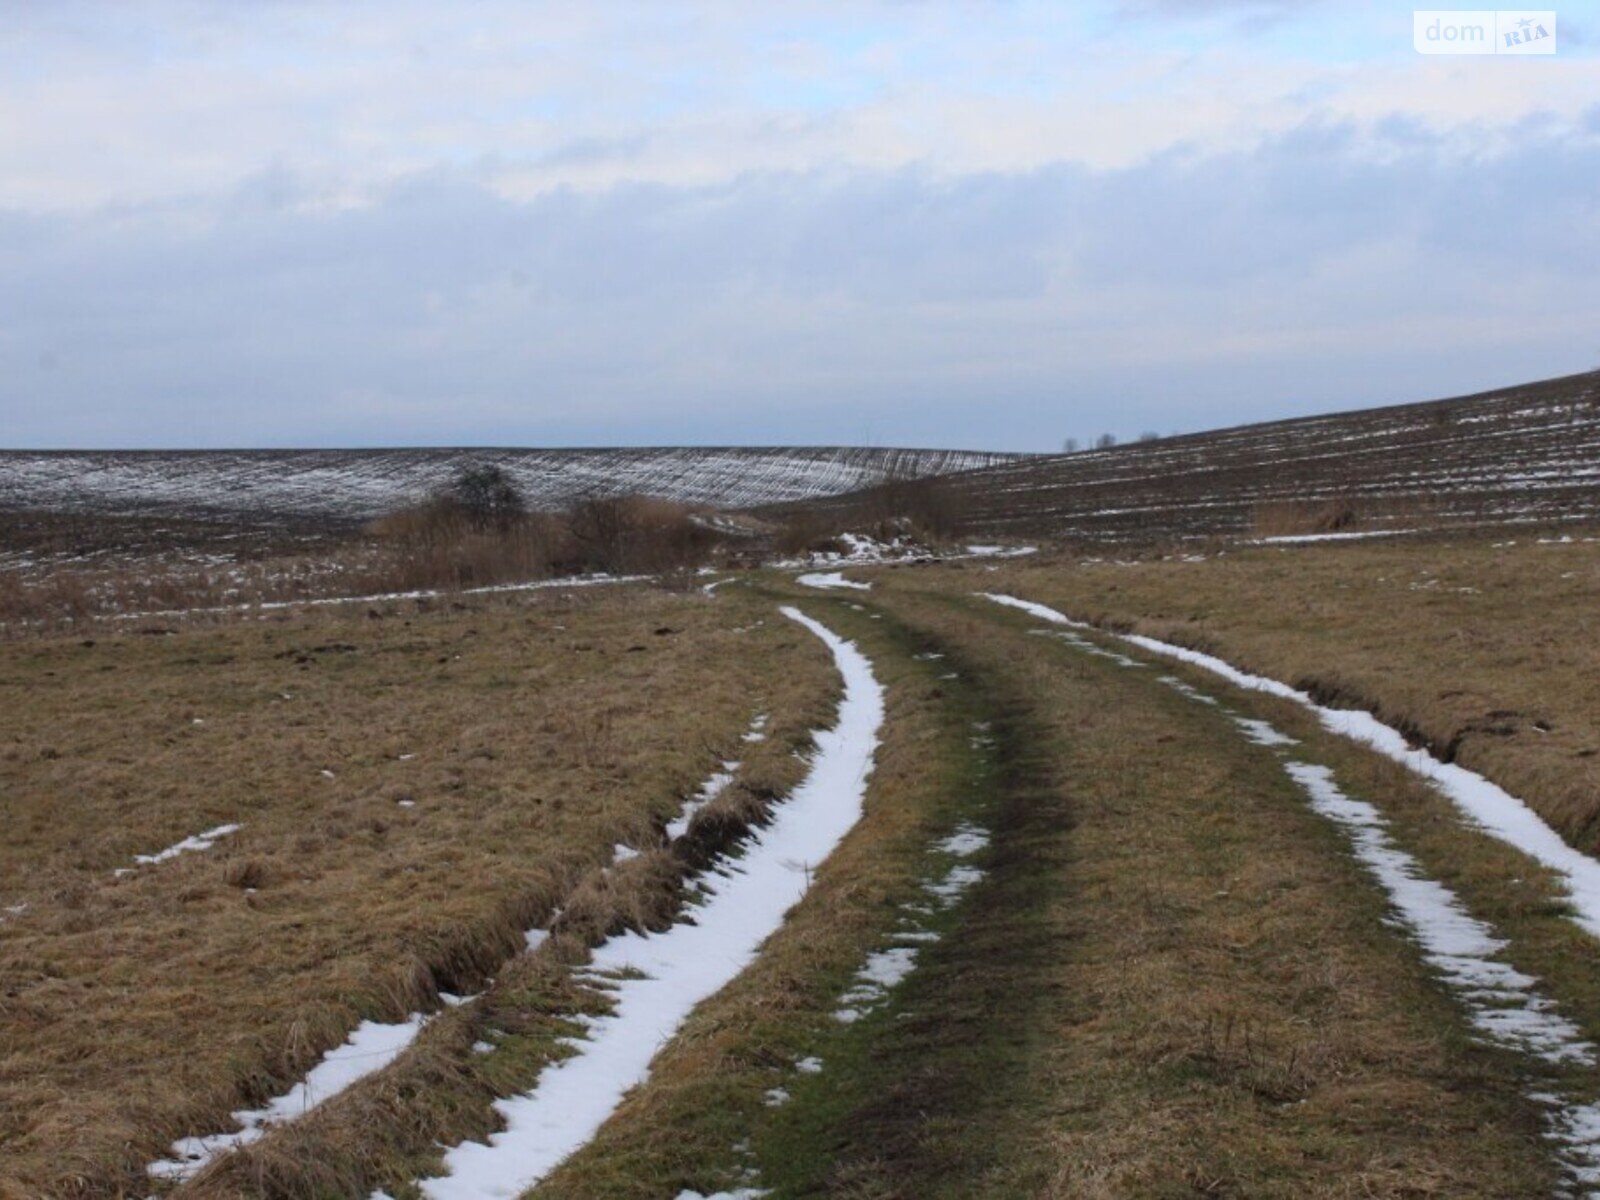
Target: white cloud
x,y
806,306
133,102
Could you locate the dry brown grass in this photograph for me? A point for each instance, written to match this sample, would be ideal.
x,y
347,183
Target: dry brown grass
x,y
543,731
1175,983
441,545
1487,652
1280,518
1523,901
387,1129
635,535
60,598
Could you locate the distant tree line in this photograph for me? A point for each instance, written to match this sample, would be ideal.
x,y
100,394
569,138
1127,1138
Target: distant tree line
x,y
1105,441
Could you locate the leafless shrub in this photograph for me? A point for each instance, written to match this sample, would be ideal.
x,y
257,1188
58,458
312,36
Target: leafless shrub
x,y
929,508
808,533
635,534
444,543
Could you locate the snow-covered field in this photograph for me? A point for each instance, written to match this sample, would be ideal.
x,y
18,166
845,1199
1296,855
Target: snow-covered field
x,y
360,484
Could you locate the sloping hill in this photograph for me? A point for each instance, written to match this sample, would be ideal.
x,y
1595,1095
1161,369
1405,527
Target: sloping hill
x,y
1527,453
359,484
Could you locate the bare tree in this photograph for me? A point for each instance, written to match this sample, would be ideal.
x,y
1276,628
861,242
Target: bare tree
x,y
1069,445
486,494
1105,441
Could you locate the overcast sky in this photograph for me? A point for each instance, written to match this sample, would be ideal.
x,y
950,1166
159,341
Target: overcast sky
x,y
989,223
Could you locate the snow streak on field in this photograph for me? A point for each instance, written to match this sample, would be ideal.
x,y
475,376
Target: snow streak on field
x,y
491,589
655,980
1501,1001
886,969
361,484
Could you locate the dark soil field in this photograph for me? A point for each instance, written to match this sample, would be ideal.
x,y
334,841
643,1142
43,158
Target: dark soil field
x,y
1527,454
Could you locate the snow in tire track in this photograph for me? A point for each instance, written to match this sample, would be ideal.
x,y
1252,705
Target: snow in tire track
x,y
1488,806
1504,1005
657,979
371,1047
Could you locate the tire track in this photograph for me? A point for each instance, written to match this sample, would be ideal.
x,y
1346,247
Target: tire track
x,y
1505,1007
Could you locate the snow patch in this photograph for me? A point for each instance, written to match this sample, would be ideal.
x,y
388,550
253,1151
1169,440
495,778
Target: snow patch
x,y
537,585
1501,1001
830,579
1261,733
1183,689
953,886
1001,551
704,795
370,1048
1088,647
189,845
882,971
966,841
887,968
1296,539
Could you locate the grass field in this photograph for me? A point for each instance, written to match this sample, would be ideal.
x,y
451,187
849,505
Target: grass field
x,y
1093,935
414,788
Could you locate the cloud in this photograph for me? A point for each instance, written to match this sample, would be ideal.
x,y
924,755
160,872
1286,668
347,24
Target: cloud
x,y
146,101
992,309
1247,10
937,222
